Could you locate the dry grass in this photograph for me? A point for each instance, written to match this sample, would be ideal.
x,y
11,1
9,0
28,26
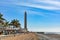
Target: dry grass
x,y
26,36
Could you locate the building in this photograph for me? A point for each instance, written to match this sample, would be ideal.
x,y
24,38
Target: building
x,y
12,29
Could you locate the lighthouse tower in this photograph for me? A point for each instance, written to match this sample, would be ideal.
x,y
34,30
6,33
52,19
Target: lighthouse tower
x,y
25,21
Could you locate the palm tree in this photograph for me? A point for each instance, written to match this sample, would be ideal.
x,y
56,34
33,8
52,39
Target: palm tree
x,y
1,19
15,23
6,24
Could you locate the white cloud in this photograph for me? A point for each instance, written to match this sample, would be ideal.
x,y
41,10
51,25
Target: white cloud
x,y
54,5
52,2
38,6
42,7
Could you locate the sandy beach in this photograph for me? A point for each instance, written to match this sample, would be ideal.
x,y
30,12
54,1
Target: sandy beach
x,y
26,36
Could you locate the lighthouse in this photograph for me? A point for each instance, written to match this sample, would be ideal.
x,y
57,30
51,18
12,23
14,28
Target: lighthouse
x,y
25,21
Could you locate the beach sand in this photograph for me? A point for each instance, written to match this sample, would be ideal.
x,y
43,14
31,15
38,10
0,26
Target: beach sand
x,y
23,36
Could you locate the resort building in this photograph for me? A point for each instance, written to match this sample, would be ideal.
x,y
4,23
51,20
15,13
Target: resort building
x,y
6,28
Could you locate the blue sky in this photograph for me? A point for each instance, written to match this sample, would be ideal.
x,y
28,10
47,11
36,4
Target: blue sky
x,y
43,15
